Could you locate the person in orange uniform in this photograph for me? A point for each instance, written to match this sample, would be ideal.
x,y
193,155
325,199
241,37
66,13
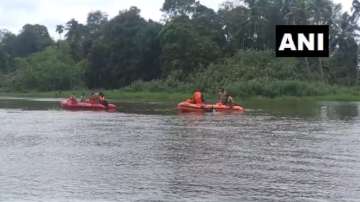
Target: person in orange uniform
x,y
197,97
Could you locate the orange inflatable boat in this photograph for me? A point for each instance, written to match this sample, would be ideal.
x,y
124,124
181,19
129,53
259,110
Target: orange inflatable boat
x,y
74,105
188,106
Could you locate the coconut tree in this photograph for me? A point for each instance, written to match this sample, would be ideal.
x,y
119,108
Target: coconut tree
x,y
60,29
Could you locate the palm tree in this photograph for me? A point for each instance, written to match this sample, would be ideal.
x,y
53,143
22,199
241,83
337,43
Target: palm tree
x,y
60,29
320,13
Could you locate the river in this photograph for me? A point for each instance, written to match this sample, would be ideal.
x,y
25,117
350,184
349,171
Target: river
x,y
280,152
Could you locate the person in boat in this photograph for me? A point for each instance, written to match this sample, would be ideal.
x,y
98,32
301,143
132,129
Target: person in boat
x,y
102,99
229,99
224,97
83,98
197,97
73,100
93,98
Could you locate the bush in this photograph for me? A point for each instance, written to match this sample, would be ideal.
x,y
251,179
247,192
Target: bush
x,y
246,74
159,86
52,69
280,88
246,65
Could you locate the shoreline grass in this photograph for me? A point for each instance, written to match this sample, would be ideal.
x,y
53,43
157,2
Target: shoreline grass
x,y
147,96
114,95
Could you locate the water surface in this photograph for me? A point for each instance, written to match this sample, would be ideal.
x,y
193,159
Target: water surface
x,y
149,153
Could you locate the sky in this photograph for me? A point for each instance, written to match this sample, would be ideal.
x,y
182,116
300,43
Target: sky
x,y
16,13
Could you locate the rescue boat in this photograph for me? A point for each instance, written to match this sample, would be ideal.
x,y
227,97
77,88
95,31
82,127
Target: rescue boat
x,y
74,105
188,106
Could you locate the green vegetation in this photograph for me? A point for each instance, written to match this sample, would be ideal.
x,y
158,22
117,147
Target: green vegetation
x,y
175,97
51,69
113,95
194,47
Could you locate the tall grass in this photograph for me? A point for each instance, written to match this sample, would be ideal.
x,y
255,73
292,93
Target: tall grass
x,y
281,88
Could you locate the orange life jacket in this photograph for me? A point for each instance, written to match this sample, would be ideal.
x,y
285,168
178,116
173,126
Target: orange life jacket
x,y
197,97
92,100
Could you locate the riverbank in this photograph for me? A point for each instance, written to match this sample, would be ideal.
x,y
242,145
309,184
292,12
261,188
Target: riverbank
x,y
114,95
173,97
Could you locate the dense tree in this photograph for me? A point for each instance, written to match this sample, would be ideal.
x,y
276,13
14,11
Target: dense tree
x,y
5,58
185,49
52,69
175,8
2,34
96,20
5,61
127,50
9,44
208,23
32,39
81,37
76,36
192,41
192,38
